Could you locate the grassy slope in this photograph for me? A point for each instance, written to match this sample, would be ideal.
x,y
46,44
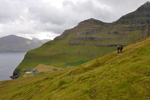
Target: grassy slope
x,y
114,76
42,69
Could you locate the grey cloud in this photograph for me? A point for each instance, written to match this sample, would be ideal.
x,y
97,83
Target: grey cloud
x,y
121,7
35,16
85,10
9,10
46,13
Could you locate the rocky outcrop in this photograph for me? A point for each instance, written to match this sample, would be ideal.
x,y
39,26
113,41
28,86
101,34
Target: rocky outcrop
x,y
16,74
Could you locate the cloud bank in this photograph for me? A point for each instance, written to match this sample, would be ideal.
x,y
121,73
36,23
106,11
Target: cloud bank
x,y
46,19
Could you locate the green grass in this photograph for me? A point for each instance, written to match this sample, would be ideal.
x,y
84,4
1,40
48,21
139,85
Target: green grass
x,y
124,76
76,63
40,73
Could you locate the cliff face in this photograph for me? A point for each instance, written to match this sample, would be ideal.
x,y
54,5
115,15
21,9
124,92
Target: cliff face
x,y
14,43
89,39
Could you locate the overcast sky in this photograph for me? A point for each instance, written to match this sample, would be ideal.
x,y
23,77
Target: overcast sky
x,y
46,19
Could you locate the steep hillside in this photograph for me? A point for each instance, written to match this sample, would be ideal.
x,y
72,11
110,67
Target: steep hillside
x,y
14,43
124,76
89,39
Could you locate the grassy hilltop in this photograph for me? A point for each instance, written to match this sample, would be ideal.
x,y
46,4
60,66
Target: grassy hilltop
x,y
88,40
124,76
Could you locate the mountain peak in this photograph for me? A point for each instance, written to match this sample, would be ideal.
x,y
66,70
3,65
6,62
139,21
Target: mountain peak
x,y
9,36
91,21
147,3
144,7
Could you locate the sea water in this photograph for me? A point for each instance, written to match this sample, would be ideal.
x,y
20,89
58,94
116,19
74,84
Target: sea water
x,y
8,62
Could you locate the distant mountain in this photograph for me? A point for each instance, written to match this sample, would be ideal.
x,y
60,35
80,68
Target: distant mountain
x,y
14,43
90,39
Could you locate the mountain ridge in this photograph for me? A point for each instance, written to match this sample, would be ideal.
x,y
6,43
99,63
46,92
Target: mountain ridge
x,y
144,7
137,13
13,43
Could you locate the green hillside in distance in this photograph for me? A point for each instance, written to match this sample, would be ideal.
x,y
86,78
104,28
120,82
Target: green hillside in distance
x,y
88,40
124,76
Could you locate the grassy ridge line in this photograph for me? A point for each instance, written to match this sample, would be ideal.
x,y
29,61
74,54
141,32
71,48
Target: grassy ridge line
x,y
114,76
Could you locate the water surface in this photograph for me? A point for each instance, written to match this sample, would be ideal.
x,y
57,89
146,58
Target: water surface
x,y
8,62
